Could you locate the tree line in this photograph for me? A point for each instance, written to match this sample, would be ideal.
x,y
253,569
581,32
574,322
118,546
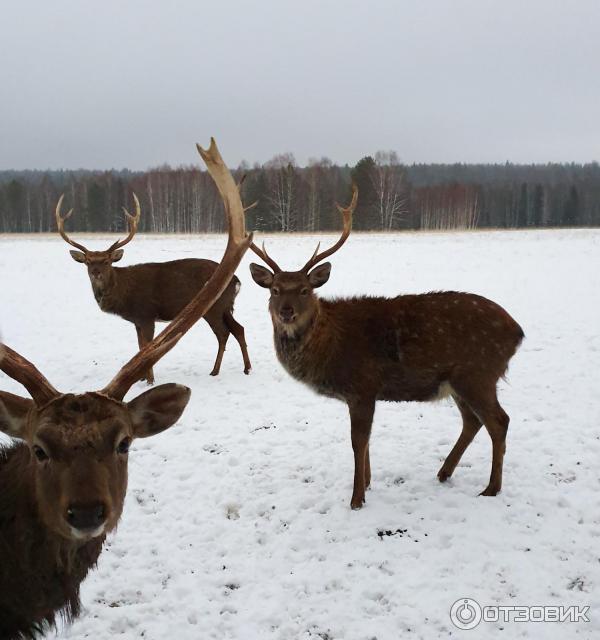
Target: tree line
x,y
392,196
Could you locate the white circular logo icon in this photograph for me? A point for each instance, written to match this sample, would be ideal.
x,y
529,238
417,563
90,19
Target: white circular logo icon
x,y
465,614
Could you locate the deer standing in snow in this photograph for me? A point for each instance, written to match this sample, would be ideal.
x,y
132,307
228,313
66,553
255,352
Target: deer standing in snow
x,y
63,482
155,291
410,347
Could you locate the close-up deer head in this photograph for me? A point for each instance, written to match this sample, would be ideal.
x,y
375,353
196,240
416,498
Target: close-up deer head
x,y
293,303
99,263
79,445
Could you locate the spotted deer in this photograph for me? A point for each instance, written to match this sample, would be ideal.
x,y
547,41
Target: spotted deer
x,y
410,347
155,291
63,482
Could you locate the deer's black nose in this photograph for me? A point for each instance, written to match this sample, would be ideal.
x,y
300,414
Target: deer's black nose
x,y
89,516
286,313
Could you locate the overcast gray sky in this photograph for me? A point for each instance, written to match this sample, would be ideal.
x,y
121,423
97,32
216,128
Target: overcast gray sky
x,y
134,83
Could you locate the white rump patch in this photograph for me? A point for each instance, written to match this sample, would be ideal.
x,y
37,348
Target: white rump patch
x,y
444,390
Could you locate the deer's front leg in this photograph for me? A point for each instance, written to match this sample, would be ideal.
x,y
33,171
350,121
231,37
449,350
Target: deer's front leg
x,y
361,419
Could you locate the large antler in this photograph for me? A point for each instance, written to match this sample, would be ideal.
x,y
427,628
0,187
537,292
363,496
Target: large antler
x,y
238,243
347,217
132,222
60,223
24,372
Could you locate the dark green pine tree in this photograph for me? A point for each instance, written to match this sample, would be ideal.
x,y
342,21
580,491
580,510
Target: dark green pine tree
x,y
255,189
522,217
538,206
362,176
571,212
96,208
15,200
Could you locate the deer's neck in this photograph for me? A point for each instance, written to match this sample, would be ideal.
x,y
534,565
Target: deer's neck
x,y
108,294
307,352
40,572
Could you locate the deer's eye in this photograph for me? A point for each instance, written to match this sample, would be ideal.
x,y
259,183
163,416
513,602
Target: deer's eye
x,y
124,445
275,291
304,292
40,454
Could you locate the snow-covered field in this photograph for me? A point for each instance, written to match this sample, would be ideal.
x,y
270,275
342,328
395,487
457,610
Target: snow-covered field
x,y
237,522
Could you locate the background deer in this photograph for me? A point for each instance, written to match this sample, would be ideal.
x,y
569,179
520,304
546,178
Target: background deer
x,y
411,347
63,484
155,291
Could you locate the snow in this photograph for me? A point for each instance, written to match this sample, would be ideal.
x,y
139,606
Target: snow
x,y
237,522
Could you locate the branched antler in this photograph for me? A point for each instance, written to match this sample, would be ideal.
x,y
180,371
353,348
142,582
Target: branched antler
x,y
347,218
60,223
316,256
132,222
265,257
24,372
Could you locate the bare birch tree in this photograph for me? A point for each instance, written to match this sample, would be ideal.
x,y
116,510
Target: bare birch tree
x,y
390,186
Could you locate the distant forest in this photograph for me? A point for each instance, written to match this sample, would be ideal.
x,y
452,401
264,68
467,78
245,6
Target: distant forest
x,y
392,196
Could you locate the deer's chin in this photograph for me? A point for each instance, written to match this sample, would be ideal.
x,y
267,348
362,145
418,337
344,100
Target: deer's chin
x,y
77,535
98,291
285,328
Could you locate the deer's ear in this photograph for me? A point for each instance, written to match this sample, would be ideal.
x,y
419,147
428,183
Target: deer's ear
x,y
261,275
115,256
78,256
13,414
319,275
157,409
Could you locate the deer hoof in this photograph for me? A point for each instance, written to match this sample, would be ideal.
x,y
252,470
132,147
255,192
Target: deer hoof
x,y
214,373
356,504
247,370
490,492
443,475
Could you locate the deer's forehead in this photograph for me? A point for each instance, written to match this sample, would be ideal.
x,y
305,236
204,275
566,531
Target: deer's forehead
x,y
290,280
97,256
85,418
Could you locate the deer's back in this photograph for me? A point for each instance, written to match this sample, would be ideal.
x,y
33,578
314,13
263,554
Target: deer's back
x,y
39,573
446,336
402,348
160,290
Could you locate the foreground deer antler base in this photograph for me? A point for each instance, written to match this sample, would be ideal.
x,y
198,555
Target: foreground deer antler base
x,y
408,348
63,484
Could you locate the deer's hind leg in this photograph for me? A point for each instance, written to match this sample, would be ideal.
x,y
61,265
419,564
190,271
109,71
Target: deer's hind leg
x,y
217,323
238,333
471,425
496,422
145,334
483,402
